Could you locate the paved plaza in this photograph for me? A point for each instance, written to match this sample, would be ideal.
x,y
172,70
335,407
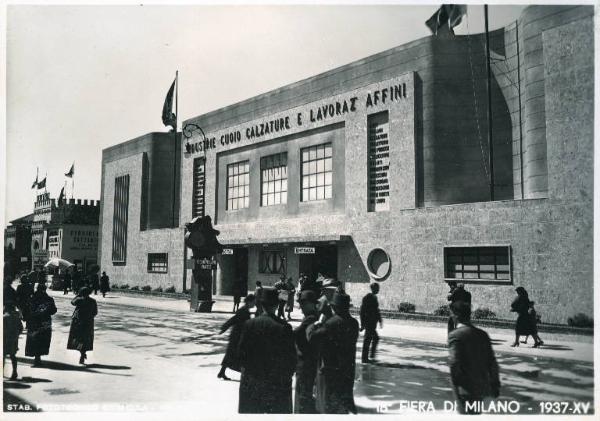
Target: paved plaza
x,y
151,354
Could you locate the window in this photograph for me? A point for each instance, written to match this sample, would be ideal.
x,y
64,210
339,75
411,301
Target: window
x,y
120,211
272,262
238,185
273,177
481,264
198,188
317,172
158,262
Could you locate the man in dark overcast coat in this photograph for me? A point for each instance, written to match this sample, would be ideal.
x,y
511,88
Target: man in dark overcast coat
x,y
268,359
369,317
306,368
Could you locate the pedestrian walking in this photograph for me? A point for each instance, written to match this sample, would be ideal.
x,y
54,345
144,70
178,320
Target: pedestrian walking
x,y
268,359
457,293
24,294
282,296
291,291
526,320
473,367
237,294
335,339
306,367
12,329
77,281
81,334
258,294
39,324
369,317
67,282
231,359
104,284
94,282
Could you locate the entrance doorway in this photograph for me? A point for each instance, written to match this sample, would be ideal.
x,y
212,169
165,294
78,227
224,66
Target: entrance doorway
x,y
233,271
323,262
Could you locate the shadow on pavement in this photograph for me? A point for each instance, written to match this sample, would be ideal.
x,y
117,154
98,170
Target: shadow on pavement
x,y
108,366
33,380
55,365
15,385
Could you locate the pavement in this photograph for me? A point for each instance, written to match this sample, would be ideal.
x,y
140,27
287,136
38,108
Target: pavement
x,y
153,354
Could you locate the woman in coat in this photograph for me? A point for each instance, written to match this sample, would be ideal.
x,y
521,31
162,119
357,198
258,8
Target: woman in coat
x,y
39,324
231,358
526,325
104,284
81,335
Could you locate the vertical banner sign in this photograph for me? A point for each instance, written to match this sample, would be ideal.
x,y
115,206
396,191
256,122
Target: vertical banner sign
x,y
198,192
379,162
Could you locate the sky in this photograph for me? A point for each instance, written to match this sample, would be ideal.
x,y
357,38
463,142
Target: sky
x,y
82,78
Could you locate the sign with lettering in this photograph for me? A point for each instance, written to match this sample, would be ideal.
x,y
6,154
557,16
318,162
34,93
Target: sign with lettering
x,y
304,250
206,264
227,251
379,162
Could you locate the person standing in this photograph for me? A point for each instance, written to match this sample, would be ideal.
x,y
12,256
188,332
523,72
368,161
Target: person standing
x,y
526,324
76,280
24,294
457,293
67,282
291,291
231,359
369,317
104,284
81,334
94,282
306,367
268,359
12,329
39,324
336,339
282,296
237,294
473,367
258,294
9,295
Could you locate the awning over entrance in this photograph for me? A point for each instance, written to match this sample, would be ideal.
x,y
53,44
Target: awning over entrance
x,y
327,238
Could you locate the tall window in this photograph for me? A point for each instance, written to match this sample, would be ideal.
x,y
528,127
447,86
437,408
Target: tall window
x,y
485,264
238,185
121,205
273,175
158,262
317,172
272,262
198,188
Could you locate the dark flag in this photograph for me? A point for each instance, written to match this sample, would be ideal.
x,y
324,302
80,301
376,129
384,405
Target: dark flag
x,y
61,196
71,171
35,183
42,184
448,14
168,116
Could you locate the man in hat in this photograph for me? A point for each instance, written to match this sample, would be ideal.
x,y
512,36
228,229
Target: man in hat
x,y
335,339
473,366
457,293
306,368
369,317
268,359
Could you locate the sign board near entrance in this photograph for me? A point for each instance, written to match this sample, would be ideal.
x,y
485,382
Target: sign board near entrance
x,y
227,251
304,250
206,264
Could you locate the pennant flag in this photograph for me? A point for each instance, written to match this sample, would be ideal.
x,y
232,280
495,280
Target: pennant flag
x,y
168,116
448,14
35,183
61,196
71,171
42,184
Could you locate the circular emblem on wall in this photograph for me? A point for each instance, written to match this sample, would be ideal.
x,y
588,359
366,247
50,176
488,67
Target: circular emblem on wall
x,y
379,264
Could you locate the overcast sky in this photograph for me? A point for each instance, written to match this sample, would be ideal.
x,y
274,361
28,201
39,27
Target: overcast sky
x,y
82,78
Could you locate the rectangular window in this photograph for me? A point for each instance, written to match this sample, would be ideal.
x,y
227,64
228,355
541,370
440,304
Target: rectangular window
x,y
272,262
158,262
198,187
479,264
317,172
273,178
238,185
120,214
378,162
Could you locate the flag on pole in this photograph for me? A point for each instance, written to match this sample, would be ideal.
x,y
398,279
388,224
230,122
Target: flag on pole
x,y
61,196
168,116
42,184
448,14
71,171
35,183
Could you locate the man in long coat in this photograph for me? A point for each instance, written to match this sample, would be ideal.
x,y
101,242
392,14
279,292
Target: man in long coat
x,y
306,368
369,317
268,359
231,359
473,366
336,342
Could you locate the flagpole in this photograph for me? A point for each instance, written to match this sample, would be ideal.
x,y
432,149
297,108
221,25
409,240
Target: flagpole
x,y
73,181
489,95
175,146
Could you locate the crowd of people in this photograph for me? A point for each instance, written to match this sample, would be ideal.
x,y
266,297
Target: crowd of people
x,y
31,303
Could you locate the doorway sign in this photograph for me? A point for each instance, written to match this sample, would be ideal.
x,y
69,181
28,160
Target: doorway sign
x,y
304,250
227,251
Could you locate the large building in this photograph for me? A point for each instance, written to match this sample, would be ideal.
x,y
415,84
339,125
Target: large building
x,y
380,170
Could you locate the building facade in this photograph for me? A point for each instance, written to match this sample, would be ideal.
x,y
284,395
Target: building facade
x,y
381,170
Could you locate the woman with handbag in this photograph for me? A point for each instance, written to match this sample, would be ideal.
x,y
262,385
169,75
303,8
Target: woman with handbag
x,y
39,324
81,334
